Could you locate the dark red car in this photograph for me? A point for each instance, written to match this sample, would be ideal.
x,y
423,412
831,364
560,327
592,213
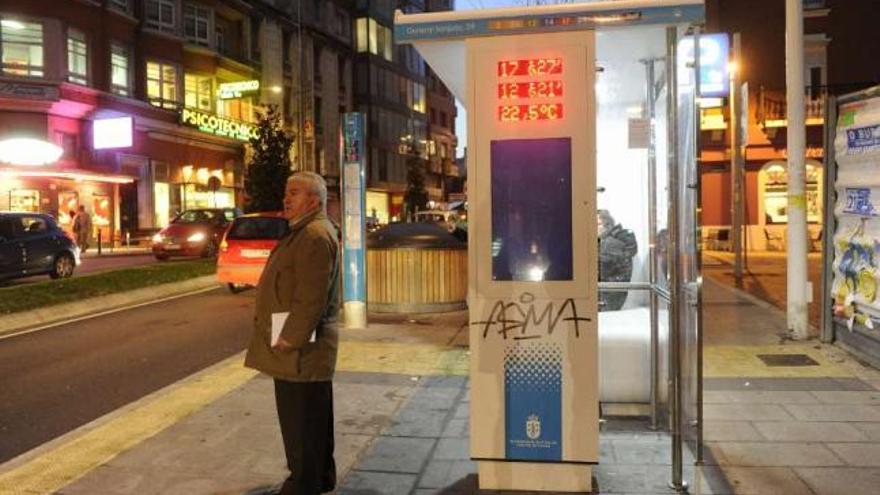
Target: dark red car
x,y
194,232
246,247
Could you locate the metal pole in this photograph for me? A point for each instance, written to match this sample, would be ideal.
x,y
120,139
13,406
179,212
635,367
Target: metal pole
x,y
674,268
736,166
650,102
797,201
302,89
829,225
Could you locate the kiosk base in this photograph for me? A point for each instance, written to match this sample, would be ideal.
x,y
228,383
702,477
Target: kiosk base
x,y
355,313
536,476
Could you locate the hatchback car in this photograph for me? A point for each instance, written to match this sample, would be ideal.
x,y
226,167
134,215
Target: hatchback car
x,y
33,244
246,247
193,233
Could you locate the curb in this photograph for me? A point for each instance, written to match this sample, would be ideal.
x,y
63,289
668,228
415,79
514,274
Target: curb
x,y
24,320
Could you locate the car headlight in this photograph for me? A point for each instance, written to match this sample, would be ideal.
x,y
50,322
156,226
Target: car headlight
x,y
197,237
157,238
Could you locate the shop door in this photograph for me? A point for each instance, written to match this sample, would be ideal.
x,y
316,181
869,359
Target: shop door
x,y
128,207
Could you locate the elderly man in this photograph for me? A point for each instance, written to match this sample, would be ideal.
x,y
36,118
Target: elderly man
x,y
298,296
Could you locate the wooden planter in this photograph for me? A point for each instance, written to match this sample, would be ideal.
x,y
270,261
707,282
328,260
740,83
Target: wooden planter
x,y
416,280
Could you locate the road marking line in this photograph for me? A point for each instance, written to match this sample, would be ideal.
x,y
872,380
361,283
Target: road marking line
x,y
72,460
107,312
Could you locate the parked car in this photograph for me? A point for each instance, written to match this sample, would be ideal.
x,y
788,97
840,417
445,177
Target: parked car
x,y
246,246
194,232
33,244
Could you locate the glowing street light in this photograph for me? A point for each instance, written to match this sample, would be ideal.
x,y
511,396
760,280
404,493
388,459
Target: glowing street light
x,y
28,151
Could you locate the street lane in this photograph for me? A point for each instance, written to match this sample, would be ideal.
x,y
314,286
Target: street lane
x,y
58,379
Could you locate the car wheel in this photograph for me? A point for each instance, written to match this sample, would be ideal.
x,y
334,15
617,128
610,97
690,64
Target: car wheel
x,y
162,257
62,267
236,288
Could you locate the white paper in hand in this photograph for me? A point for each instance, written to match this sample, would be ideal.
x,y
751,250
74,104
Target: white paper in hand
x,y
278,320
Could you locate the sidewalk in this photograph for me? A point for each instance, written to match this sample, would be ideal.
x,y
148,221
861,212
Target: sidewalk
x,y
401,399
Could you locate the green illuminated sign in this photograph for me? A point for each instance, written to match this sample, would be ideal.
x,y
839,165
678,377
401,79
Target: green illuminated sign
x,y
218,126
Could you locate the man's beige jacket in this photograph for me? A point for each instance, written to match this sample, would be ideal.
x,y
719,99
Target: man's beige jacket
x,y
301,277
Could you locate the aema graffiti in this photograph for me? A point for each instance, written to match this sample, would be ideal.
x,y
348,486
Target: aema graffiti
x,y
528,319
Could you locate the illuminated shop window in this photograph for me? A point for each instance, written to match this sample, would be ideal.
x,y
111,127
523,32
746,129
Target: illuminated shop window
x,y
162,204
120,80
77,57
198,92
362,35
236,109
21,44
197,23
162,85
26,200
773,182
159,15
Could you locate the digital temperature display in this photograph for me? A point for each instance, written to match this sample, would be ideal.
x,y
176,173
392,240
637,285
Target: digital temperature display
x,y
532,89
530,67
526,113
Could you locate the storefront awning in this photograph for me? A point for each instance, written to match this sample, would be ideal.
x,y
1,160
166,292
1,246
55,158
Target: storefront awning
x,y
66,174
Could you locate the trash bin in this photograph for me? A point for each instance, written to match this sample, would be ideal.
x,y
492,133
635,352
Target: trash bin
x,y
415,268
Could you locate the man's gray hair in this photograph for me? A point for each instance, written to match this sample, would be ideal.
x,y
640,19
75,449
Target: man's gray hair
x,y
316,183
607,220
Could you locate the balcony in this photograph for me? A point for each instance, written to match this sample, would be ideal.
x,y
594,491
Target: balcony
x,y
772,108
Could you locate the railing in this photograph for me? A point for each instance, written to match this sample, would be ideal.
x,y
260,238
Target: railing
x,y
772,106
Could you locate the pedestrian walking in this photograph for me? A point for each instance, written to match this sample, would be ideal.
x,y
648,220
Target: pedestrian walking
x,y
82,228
295,336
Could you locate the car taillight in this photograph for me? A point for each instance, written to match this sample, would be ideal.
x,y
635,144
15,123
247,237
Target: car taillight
x,y
224,246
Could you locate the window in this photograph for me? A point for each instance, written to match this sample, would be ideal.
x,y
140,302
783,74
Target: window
x,y
162,85
316,63
362,35
197,23
22,47
160,15
77,57
220,33
237,109
120,80
120,5
198,92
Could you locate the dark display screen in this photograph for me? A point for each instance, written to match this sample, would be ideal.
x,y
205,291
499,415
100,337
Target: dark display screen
x,y
531,209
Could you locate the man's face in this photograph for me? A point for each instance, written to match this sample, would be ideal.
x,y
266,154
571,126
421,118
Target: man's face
x,y
601,224
298,200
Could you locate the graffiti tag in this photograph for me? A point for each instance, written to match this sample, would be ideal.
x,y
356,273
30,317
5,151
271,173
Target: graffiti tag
x,y
523,320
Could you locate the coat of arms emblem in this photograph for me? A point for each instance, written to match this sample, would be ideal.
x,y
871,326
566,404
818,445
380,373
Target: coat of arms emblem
x,y
533,427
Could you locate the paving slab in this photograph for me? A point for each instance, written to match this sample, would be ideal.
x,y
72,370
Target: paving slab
x,y
841,481
858,454
809,431
760,454
828,412
730,430
371,483
758,397
754,481
397,455
848,397
871,430
745,412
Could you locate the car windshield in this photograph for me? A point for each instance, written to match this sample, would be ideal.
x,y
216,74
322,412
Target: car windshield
x,y
198,216
252,228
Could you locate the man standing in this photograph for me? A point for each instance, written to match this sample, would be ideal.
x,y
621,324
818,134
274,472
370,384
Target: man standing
x,y
82,227
300,287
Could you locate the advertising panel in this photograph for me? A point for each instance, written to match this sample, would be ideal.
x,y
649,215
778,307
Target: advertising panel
x,y
354,199
856,266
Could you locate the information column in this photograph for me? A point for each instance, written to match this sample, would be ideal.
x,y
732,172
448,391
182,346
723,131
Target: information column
x,y
533,334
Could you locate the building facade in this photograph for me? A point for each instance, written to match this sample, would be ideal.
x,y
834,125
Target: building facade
x,y
130,90
837,34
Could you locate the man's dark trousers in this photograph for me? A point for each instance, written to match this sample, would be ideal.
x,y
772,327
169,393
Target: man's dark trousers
x,y
305,412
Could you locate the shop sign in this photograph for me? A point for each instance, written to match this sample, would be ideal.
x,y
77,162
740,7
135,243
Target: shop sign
x,y
237,89
714,55
28,91
218,126
112,133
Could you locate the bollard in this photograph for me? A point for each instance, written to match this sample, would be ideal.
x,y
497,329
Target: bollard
x,y
99,242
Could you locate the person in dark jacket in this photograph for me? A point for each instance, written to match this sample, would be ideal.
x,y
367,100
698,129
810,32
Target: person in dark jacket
x,y
295,337
617,247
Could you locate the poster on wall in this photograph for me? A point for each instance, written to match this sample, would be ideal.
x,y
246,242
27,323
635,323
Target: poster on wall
x,y
856,266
